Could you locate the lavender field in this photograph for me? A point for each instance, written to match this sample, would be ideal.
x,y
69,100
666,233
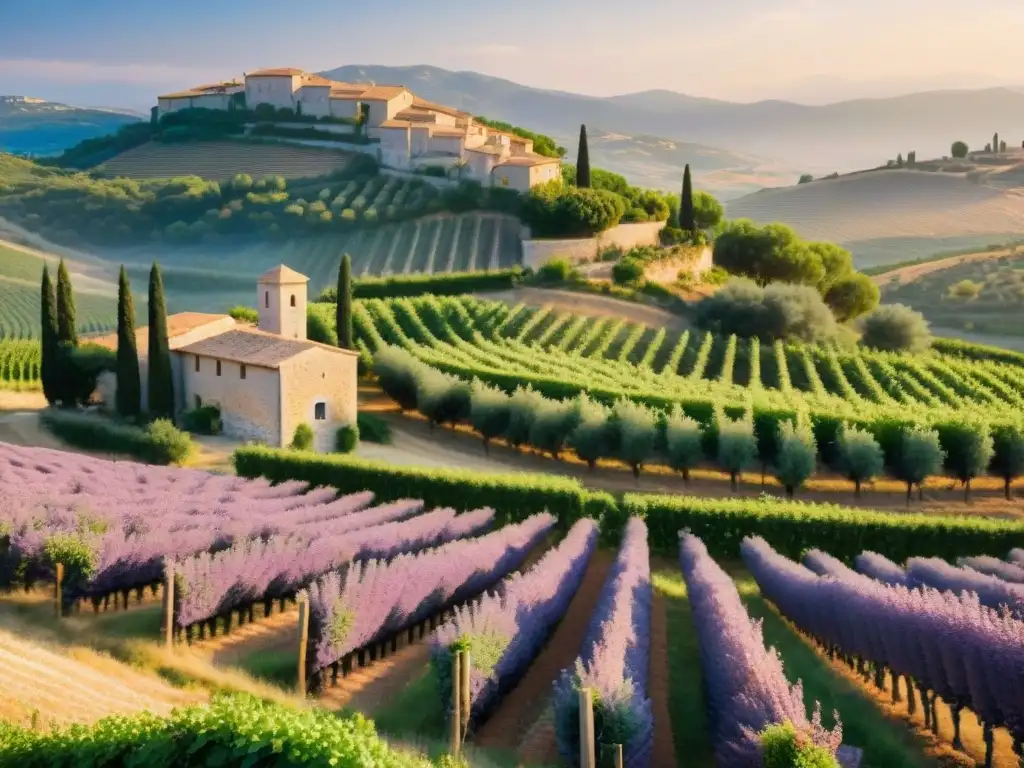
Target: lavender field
x,y
387,574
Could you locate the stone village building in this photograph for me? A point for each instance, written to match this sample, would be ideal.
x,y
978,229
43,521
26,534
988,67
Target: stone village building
x,y
265,380
408,132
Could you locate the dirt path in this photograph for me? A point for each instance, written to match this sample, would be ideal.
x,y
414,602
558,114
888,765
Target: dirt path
x,y
590,304
912,272
664,751
520,709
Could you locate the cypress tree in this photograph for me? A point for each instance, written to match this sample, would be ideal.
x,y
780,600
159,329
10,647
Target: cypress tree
x,y
161,382
129,385
48,338
67,332
686,215
995,142
583,160
343,311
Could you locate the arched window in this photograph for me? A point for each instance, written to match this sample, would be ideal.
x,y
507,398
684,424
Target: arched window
x,y
320,411
266,299
293,299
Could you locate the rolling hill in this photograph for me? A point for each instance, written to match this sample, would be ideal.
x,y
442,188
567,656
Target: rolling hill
x,y
820,139
887,216
39,128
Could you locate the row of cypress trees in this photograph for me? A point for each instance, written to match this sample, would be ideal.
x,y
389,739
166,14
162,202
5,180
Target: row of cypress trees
x,y
685,217
59,331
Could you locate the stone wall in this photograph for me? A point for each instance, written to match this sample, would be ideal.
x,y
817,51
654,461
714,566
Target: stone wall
x,y
250,408
625,236
318,375
694,261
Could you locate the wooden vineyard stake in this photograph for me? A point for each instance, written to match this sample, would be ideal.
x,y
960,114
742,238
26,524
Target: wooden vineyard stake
x,y
303,642
59,596
464,698
618,756
587,756
456,705
168,604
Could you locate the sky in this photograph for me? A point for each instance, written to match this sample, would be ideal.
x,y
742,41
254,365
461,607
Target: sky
x,y
120,53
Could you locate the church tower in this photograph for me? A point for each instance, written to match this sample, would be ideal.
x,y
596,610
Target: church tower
x,y
281,302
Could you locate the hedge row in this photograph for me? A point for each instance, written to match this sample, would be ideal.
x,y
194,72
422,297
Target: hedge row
x,y
160,442
232,731
449,284
790,527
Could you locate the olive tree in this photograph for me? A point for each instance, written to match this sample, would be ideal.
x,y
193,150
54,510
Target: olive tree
x,y
860,456
395,370
683,442
488,412
522,407
920,456
796,456
637,430
442,398
1008,462
591,439
970,449
737,445
896,328
552,424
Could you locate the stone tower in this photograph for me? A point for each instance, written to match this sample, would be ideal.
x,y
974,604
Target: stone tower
x,y
281,302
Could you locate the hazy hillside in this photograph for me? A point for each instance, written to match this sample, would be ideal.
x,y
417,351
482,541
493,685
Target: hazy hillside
x,y
36,127
842,136
892,215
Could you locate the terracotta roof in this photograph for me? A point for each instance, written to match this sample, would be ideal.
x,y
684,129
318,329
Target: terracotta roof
x,y
282,275
395,124
281,72
254,347
448,132
177,325
418,115
318,82
383,92
485,149
346,94
529,160
419,103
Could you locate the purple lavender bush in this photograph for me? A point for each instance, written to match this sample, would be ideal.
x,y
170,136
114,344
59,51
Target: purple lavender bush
x,y
880,568
614,661
506,629
744,682
991,590
993,566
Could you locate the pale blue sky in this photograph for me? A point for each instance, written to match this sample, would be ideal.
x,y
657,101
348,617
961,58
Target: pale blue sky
x,y
115,51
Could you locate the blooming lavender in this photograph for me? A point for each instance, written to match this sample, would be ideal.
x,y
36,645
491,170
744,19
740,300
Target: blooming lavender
x,y
991,590
1016,556
880,568
745,684
614,659
352,608
505,630
993,566
950,645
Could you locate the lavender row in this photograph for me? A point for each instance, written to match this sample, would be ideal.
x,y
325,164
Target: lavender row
x,y
881,568
506,629
373,599
953,646
993,566
1016,556
615,658
208,586
991,590
744,682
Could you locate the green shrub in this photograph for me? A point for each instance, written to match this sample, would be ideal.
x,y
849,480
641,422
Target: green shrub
x,y
555,271
159,443
319,328
450,284
346,439
896,328
204,420
78,370
716,276
628,272
244,314
372,428
783,747
233,731
780,311
303,439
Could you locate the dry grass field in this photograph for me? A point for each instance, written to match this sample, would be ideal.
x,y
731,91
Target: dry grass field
x,y
889,216
222,160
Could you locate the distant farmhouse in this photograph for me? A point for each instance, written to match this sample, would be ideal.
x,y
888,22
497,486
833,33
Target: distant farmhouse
x,y
408,133
266,381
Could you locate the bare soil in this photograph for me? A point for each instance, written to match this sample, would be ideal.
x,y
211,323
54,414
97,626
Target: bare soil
x,y
664,751
517,713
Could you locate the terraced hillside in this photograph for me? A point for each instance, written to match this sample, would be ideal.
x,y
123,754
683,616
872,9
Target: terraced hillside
x,y
892,215
213,278
222,160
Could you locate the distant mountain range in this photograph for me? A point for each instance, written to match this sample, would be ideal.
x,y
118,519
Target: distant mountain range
x,y
836,137
36,127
